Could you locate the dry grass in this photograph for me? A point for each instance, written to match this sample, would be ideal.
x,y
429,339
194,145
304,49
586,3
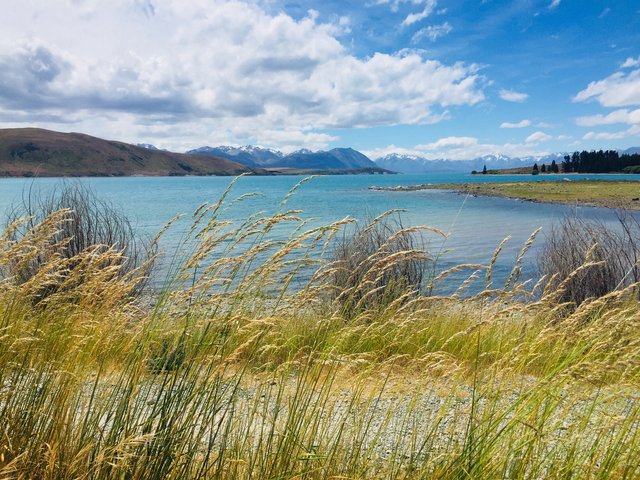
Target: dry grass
x,y
85,222
378,263
613,256
234,374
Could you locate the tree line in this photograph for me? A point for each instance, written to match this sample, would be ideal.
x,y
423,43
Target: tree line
x,y
600,162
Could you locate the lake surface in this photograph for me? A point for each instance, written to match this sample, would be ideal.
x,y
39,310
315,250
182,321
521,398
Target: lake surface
x,y
476,224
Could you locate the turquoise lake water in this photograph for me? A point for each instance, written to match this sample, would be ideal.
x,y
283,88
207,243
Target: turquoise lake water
x,y
476,224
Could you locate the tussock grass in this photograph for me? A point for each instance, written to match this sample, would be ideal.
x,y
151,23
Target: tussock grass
x,y
590,259
234,373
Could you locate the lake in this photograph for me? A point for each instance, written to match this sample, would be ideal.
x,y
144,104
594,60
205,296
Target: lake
x,y
476,224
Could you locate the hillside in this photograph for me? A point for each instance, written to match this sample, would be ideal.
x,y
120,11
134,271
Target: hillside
x,y
26,152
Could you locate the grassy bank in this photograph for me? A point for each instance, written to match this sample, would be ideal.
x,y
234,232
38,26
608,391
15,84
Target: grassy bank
x,y
233,374
595,193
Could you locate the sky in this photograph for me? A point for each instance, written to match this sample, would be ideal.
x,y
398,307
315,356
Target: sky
x,y
450,79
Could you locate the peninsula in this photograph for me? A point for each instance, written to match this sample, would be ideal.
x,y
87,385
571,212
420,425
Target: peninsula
x,y
624,194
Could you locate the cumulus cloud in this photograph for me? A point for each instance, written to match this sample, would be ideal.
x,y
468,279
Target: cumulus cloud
x,y
449,143
432,32
521,124
632,131
538,137
617,90
512,96
172,67
288,141
630,117
460,148
631,63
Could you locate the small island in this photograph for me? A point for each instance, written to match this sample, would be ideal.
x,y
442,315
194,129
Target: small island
x,y
623,194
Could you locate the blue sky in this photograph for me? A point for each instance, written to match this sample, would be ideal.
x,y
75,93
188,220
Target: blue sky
x,y
436,78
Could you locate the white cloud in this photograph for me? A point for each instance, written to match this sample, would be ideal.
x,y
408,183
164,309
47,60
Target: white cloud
x,y
449,143
554,4
460,148
538,137
432,32
182,72
412,18
395,4
288,141
512,96
633,131
631,63
630,117
389,149
521,124
604,12
617,90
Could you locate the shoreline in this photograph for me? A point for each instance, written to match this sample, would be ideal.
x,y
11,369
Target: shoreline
x,y
614,194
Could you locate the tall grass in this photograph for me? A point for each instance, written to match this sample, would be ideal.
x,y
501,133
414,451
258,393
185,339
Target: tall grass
x,y
86,222
235,374
588,259
378,263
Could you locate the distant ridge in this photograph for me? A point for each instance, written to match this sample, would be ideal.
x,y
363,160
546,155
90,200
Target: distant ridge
x,y
247,155
630,151
148,146
417,164
26,152
335,159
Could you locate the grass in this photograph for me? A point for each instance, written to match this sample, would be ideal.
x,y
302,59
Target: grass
x,y
596,193
234,374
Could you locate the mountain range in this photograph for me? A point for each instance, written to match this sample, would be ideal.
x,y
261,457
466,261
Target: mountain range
x,y
350,159
39,152
335,159
416,164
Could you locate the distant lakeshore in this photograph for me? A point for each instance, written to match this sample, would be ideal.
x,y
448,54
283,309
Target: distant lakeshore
x,y
617,194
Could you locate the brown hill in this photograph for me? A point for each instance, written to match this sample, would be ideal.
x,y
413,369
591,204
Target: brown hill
x,y
26,152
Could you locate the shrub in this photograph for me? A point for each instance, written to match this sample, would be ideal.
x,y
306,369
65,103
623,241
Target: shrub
x,y
376,264
586,259
84,223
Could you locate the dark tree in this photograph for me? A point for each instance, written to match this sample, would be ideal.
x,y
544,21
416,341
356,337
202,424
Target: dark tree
x,y
600,161
554,167
484,170
543,168
535,170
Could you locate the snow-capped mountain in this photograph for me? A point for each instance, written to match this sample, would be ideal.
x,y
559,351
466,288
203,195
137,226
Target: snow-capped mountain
x,y
417,164
337,158
247,155
148,146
